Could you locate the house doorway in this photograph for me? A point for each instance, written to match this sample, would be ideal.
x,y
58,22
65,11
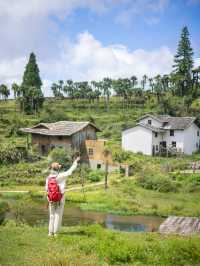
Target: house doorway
x,y
163,147
43,149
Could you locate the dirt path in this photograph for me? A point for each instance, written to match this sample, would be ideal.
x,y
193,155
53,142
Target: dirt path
x,y
69,189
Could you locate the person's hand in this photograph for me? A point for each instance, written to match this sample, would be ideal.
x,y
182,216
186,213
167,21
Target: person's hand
x,y
78,159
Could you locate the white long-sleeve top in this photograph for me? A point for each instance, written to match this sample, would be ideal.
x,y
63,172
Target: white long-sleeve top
x,y
61,177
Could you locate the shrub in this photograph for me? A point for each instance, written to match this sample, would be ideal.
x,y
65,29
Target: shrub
x,y
159,182
95,176
121,156
152,178
4,207
11,154
61,155
15,124
50,115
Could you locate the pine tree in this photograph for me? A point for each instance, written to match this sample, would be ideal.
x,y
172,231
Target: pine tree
x,y
31,87
184,63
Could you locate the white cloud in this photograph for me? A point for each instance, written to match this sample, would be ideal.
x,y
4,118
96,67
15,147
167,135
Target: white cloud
x,y
142,7
89,59
197,62
11,71
28,26
20,9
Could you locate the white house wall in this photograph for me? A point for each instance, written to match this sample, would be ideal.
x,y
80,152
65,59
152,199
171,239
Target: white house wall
x,y
191,139
178,138
137,139
157,140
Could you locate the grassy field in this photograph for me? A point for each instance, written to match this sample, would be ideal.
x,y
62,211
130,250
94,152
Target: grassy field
x,y
157,187
111,123
126,198
93,245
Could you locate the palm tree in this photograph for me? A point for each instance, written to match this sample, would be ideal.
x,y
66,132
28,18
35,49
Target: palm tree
x,y
60,86
158,87
144,81
69,88
4,91
16,89
57,89
106,87
97,87
151,83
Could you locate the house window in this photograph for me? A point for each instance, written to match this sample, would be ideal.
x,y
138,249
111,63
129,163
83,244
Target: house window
x,y
90,152
198,133
197,145
149,122
98,166
60,138
171,133
156,134
173,143
156,147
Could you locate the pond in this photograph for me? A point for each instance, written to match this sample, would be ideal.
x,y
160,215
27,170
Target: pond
x,y
38,215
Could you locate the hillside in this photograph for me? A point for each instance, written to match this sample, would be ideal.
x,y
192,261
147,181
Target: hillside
x,y
111,121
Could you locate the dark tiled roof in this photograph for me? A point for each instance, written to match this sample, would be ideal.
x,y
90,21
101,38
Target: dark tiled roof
x,y
155,129
170,122
61,128
179,122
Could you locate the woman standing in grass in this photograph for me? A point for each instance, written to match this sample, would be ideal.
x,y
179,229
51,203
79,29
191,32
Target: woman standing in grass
x,y
55,188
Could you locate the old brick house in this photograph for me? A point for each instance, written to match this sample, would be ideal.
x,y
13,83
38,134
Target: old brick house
x,y
66,134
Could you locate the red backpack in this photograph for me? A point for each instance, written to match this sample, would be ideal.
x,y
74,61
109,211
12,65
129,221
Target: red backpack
x,y
54,194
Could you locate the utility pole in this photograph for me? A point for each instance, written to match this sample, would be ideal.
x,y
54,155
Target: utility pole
x,y
106,175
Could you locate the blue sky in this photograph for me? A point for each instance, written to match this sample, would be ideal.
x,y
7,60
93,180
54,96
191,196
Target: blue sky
x,y
147,30
91,39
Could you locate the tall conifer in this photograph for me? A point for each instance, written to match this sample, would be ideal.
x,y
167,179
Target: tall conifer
x,y
32,95
184,63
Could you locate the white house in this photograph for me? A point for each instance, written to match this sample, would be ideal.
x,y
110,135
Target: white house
x,y
154,134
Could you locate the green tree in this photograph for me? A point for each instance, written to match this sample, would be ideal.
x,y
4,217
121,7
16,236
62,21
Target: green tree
x,y
144,81
106,88
57,89
31,79
4,92
196,82
16,89
68,89
183,63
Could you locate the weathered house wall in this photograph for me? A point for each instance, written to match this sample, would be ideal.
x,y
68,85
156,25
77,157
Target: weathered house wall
x,y
46,143
97,158
76,142
78,139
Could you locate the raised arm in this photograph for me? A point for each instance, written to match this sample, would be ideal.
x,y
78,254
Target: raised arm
x,y
63,176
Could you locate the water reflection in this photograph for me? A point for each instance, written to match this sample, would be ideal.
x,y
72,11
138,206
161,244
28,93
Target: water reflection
x,y
74,216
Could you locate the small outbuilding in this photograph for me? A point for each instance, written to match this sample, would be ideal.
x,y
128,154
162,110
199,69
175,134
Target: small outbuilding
x,y
180,225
